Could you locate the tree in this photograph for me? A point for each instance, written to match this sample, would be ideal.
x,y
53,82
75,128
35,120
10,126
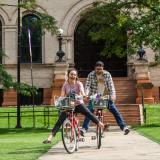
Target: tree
x,y
140,19
47,23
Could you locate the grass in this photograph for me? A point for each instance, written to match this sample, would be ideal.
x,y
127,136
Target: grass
x,y
41,118
152,132
24,144
151,129
153,114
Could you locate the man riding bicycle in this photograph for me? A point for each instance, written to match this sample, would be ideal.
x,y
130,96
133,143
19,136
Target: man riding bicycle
x,y
100,81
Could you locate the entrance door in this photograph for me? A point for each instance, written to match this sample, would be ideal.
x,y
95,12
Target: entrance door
x,y
88,52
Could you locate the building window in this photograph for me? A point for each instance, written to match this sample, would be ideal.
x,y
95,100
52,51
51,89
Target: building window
x,y
0,41
31,22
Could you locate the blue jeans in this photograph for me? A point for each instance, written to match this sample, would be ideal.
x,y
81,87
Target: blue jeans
x,y
113,109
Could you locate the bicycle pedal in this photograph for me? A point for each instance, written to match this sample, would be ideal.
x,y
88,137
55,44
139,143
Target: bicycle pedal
x,y
93,137
81,139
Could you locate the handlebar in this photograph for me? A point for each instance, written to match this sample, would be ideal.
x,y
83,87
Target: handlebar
x,y
68,102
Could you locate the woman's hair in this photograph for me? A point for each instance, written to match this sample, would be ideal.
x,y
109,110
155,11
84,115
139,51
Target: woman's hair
x,y
69,71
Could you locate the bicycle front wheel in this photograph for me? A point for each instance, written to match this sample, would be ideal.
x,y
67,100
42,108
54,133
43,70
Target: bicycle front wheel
x,y
69,136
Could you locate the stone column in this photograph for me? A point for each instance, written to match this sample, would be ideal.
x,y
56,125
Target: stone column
x,y
59,77
142,76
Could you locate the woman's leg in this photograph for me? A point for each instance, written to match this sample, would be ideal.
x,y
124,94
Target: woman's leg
x,y
85,111
59,122
56,127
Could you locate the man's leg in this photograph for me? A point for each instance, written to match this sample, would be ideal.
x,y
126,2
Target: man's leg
x,y
86,121
119,119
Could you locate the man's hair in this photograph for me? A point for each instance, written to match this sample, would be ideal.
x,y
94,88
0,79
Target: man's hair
x,y
99,64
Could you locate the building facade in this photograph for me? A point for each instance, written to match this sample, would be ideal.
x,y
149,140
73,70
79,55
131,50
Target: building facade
x,y
68,15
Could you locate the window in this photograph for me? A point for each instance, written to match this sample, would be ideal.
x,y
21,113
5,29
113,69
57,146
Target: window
x,y
0,41
31,22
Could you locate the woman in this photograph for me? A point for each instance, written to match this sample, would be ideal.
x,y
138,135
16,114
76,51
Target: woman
x,y
72,86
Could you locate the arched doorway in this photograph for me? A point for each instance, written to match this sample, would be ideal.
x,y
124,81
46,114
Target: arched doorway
x,y
88,52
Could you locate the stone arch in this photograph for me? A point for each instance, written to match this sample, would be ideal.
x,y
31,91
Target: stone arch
x,y
4,17
69,23
25,12
73,16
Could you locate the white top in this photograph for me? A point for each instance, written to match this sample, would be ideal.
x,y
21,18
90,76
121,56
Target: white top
x,y
101,85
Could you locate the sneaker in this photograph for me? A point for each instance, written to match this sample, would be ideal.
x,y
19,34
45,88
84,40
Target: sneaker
x,y
82,132
46,142
126,130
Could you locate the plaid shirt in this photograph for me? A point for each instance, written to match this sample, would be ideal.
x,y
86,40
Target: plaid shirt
x,y
91,86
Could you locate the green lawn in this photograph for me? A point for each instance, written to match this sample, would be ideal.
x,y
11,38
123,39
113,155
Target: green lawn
x,y
41,117
24,144
152,127
151,132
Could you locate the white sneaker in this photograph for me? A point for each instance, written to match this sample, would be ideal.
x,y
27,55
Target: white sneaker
x,y
126,130
82,132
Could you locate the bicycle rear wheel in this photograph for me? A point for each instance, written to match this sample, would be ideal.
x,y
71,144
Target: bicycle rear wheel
x,y
99,136
69,136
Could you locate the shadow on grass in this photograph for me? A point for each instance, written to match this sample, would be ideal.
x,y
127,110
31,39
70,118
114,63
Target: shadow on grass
x,y
147,126
41,149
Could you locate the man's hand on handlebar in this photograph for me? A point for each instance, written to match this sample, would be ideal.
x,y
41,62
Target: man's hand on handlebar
x,y
86,99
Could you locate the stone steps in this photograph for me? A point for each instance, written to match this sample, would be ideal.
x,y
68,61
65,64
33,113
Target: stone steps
x,y
125,89
130,112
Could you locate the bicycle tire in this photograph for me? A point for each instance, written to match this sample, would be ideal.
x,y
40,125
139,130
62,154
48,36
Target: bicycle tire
x,y
99,137
69,137
99,133
77,139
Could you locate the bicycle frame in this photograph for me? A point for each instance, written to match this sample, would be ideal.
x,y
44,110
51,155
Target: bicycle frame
x,y
71,115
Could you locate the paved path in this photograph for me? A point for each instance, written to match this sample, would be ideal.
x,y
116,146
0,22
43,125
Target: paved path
x,y
115,146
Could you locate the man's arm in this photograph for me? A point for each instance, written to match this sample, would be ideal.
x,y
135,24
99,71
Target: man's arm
x,y
88,85
111,87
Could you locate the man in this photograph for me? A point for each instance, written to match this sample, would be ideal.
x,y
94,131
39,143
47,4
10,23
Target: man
x,y
100,81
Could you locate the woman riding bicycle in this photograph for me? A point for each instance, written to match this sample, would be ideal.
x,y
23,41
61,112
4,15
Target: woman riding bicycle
x,y
71,87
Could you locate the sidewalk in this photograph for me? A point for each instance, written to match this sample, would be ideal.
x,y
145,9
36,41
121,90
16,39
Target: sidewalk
x,y
115,146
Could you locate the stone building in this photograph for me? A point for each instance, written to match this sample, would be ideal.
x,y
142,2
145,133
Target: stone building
x,y
79,52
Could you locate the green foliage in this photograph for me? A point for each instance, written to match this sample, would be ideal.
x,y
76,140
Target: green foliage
x,y
46,22
6,82
140,18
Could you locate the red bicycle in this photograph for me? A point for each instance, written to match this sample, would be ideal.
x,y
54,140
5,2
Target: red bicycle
x,y
70,128
100,104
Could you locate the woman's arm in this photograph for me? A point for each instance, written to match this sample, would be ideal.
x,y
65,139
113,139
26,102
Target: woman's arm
x,y
81,89
63,93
